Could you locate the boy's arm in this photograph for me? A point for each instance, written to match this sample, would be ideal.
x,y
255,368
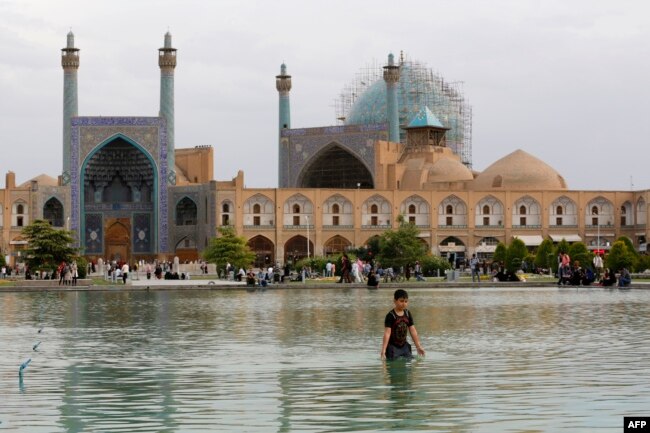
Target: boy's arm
x,y
416,340
384,343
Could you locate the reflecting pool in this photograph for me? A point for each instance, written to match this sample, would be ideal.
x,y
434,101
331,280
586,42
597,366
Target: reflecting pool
x,y
307,360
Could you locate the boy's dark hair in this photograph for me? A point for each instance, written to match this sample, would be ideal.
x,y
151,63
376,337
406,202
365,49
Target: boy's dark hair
x,y
400,293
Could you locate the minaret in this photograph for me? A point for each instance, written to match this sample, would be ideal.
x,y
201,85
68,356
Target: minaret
x,y
391,76
70,64
167,63
283,84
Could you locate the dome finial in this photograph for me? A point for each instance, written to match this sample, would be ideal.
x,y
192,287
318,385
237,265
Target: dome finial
x,y
168,39
70,43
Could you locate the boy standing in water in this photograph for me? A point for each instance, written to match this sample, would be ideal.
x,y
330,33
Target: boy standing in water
x,y
398,324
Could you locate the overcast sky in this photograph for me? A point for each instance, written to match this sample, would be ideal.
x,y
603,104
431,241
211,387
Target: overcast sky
x,y
566,81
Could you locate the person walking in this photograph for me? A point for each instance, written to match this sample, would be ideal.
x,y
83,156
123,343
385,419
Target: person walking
x,y
474,266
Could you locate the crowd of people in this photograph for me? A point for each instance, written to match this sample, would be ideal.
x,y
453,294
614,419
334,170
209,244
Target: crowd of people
x,y
573,274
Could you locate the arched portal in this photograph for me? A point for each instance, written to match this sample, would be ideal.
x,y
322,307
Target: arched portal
x,y
264,251
296,249
335,167
53,212
119,186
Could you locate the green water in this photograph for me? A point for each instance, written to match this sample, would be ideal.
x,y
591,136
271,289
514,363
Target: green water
x,y
498,360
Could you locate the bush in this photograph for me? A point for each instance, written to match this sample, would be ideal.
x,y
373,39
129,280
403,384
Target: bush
x,y
82,266
317,264
643,263
431,264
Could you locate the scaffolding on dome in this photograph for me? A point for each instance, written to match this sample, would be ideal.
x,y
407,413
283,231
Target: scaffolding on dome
x,y
366,76
418,86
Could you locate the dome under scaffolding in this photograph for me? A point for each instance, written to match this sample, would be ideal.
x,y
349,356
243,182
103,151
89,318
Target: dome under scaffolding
x,y
364,102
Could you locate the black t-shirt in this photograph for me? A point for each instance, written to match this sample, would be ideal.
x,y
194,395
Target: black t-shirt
x,y
399,326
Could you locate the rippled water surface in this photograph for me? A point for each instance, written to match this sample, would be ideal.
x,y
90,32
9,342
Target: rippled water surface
x,y
534,360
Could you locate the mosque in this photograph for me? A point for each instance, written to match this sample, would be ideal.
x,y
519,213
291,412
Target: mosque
x,y
402,146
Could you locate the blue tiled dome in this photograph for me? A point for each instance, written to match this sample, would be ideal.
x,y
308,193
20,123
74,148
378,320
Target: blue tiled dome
x,y
418,88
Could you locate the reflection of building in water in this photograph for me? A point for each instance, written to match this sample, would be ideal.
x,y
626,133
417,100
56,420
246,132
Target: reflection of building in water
x,y
403,147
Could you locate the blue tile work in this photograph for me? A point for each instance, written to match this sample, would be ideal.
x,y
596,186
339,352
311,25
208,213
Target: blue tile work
x,y
94,236
299,146
141,233
87,133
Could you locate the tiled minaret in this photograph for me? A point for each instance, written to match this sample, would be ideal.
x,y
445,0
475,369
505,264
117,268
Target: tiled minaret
x,y
391,76
283,84
167,63
70,64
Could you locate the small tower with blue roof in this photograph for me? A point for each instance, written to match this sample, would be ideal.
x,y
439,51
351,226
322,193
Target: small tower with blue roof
x,y
425,130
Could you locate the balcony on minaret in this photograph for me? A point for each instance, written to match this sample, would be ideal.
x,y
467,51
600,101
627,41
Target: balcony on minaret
x,y
70,58
167,58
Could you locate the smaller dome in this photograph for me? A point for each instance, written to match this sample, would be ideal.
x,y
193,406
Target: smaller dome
x,y
449,170
42,179
519,170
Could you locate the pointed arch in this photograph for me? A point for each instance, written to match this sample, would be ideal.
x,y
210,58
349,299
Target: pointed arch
x,y
452,211
296,249
563,212
120,172
264,250
489,212
334,166
416,210
53,212
338,211
376,212
336,245
298,210
259,211
599,212
526,212
186,212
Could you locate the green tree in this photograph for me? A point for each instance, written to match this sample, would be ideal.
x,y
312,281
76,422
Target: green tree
x,y
47,247
515,254
579,253
500,253
620,257
402,246
228,248
630,248
562,247
545,256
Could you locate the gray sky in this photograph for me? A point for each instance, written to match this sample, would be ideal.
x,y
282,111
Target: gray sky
x,y
566,81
